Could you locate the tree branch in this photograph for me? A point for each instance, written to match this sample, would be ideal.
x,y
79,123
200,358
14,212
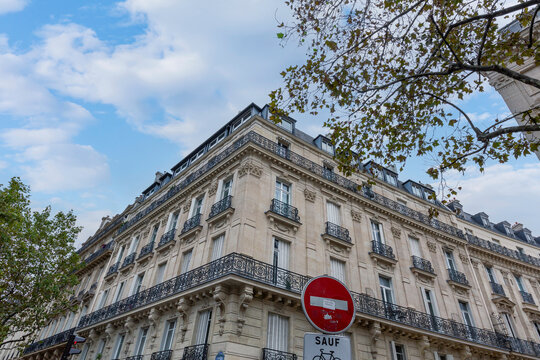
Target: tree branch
x,y
484,37
498,69
485,137
532,26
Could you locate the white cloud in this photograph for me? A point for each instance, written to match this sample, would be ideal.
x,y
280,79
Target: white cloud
x,y
90,221
3,164
7,6
504,192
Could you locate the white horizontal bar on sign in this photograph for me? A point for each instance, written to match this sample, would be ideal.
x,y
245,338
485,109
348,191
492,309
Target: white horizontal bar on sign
x,y
331,304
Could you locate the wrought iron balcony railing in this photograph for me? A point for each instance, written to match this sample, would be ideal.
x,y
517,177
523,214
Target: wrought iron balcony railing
x,y
497,288
147,249
337,232
166,237
422,264
221,206
99,252
458,277
284,209
161,355
474,240
270,354
113,268
195,352
130,259
527,297
49,342
191,223
382,249
134,357
249,268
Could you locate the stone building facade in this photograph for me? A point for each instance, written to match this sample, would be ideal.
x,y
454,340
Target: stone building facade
x,y
212,258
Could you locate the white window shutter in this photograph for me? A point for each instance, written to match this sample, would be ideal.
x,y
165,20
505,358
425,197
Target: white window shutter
x,y
217,247
337,269
202,327
283,254
278,332
333,213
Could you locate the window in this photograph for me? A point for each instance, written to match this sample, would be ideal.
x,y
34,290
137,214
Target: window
x,y
226,188
327,146
520,250
203,327
134,244
450,262
119,291
217,247
141,341
398,351
69,320
160,272
216,140
537,327
137,284
196,206
186,258
387,294
285,124
278,332
173,219
103,299
118,347
509,325
376,232
416,191
391,179
466,313
337,269
154,233
283,149
485,221
491,274
283,192
168,335
281,254
415,246
328,172
519,282
84,352
120,253
429,302
100,347
333,213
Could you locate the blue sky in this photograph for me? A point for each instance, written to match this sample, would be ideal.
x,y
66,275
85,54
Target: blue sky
x,y
94,99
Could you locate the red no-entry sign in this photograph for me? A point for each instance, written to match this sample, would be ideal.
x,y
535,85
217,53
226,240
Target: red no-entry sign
x,y
328,305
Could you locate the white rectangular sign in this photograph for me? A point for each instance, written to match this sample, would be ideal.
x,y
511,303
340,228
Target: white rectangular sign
x,y
326,347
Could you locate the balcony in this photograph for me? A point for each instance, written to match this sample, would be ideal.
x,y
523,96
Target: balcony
x,y
128,261
382,254
223,207
88,294
283,214
99,254
527,297
134,357
192,226
338,232
146,251
167,240
422,268
51,341
270,354
497,288
113,270
195,352
458,280
161,355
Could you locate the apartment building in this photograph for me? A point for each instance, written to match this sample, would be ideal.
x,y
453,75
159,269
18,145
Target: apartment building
x,y
211,258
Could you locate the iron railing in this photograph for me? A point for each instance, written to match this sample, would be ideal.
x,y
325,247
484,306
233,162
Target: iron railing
x,y
99,252
113,268
422,264
497,288
382,249
147,249
166,237
458,277
337,232
161,355
285,210
191,223
271,354
527,297
97,236
221,206
134,357
130,259
49,342
474,240
195,352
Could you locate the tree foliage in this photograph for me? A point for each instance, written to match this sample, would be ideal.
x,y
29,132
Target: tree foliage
x,y
37,264
392,75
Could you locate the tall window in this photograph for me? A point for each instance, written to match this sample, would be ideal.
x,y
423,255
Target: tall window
x,y
84,352
387,293
519,282
537,327
450,262
333,213
197,205
160,272
278,332
283,192
217,247
119,291
226,188
376,232
154,233
415,246
328,147
168,335
429,302
509,324
398,351
120,253
100,347
337,269
491,274
134,245
103,300
141,341
466,313
283,149
203,327
173,219
118,347
186,258
137,284
281,254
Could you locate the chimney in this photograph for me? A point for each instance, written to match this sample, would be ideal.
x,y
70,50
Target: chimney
x,y
158,175
517,227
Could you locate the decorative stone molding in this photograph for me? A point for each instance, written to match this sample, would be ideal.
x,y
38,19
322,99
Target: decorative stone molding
x,y
464,258
283,141
375,332
356,216
109,331
186,207
220,296
246,296
182,306
249,167
504,305
432,246
213,189
466,353
130,326
423,347
396,232
310,195
475,263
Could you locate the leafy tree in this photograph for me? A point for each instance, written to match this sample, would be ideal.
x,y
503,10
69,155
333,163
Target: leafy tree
x,y
392,74
37,264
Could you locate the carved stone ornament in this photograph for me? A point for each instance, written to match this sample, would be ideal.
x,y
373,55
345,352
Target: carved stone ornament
x,y
220,296
310,195
423,347
213,189
464,258
432,246
130,326
182,306
245,298
396,232
186,207
356,216
249,167
475,263
375,332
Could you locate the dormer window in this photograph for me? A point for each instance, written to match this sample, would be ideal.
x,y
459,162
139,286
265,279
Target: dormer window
x,y
416,191
391,179
508,230
327,146
285,124
485,221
